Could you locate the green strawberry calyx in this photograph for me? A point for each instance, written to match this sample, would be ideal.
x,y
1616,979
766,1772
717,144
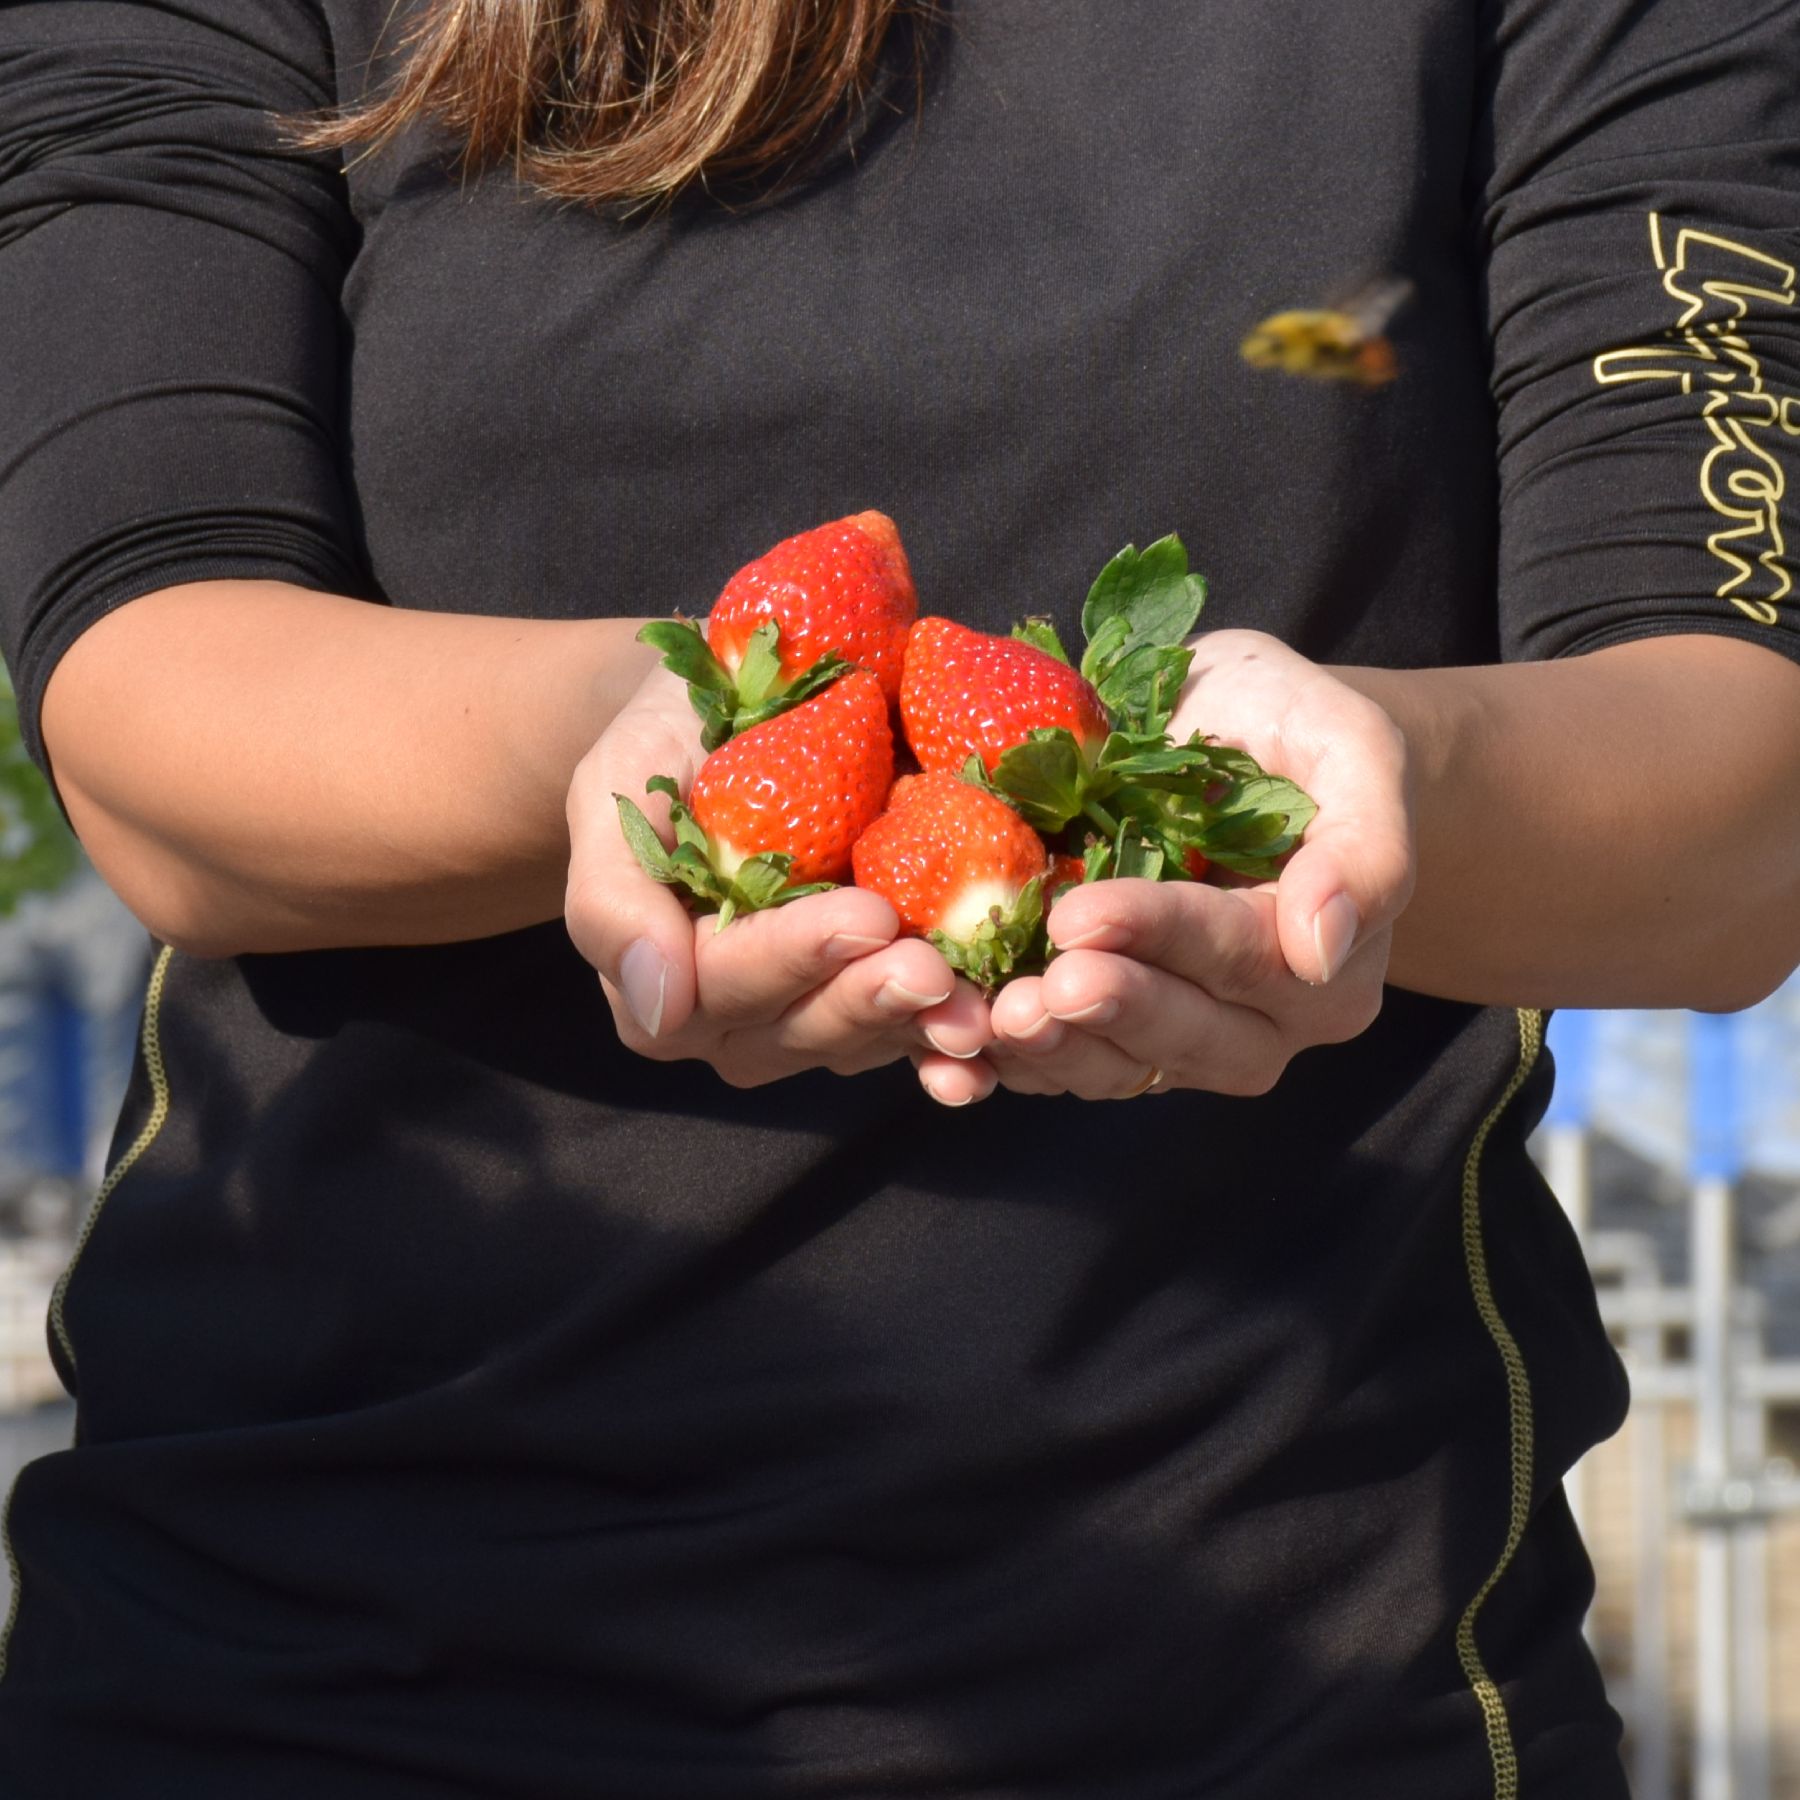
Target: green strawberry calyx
x,y
728,703
1140,787
1007,940
757,883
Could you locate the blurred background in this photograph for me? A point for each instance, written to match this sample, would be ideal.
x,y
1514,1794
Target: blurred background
x,y
1674,1144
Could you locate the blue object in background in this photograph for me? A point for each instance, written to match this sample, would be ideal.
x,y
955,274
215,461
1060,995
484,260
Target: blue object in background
x,y
1571,1038
1715,1133
72,970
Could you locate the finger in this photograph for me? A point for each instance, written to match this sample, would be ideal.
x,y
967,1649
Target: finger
x,y
1225,940
905,997
759,965
1353,873
630,927
1085,1065
953,1082
1156,1020
1021,1022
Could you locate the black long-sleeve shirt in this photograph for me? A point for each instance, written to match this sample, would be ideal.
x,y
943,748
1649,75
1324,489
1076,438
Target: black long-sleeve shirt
x,y
469,1407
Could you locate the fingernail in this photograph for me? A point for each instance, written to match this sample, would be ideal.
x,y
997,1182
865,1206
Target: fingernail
x,y
644,980
893,997
1030,1033
1098,1014
846,946
943,1049
1334,931
1105,937
966,1100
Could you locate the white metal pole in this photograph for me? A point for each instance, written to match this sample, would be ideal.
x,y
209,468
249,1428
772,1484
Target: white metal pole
x,y
1749,1579
1713,1166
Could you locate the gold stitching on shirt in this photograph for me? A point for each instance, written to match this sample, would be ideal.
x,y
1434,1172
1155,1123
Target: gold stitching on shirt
x,y
1741,478
1518,1403
150,1040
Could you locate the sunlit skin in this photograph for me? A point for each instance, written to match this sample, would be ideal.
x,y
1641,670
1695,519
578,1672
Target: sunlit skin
x,y
301,771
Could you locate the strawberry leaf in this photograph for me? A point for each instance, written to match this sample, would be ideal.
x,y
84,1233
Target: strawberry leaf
x,y
1044,777
1153,594
1041,635
760,670
727,704
1142,688
652,854
685,652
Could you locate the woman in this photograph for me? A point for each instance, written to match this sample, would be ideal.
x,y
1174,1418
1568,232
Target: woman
x,y
489,1385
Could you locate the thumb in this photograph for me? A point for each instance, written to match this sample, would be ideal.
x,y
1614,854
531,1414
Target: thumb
x,y
633,929
1353,874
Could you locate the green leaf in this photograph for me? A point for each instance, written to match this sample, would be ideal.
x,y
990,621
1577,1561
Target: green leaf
x,y
784,698
1142,688
1041,635
685,652
1136,856
760,669
1044,777
759,879
1152,592
1109,642
38,851
646,846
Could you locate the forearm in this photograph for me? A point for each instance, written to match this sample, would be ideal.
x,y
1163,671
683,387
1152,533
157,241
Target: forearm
x,y
1618,829
258,767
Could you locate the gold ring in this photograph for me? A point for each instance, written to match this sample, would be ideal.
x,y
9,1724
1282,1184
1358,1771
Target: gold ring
x,y
1144,1086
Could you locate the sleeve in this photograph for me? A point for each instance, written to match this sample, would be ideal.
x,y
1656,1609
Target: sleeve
x,y
1637,188
169,313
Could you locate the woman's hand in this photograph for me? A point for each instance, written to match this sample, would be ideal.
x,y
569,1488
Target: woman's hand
x,y
1175,984
824,982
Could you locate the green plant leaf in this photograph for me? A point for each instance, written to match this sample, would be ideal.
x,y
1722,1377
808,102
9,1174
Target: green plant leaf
x,y
760,670
652,854
1044,777
685,652
38,851
1143,687
1152,592
1041,635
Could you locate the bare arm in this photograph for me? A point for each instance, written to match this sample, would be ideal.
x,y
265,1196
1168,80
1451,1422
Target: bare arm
x,y
1617,829
258,767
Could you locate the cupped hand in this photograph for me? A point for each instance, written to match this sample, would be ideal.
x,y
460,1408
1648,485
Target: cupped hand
x,y
824,982
1168,985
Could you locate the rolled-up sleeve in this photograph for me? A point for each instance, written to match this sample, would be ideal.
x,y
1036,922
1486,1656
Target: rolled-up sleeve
x,y
1637,191
169,313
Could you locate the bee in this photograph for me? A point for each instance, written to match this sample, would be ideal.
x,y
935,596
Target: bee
x,y
1341,341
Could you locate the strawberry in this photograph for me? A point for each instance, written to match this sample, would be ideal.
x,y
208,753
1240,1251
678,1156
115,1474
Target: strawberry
x,y
774,813
1086,755
966,693
962,869
845,587
787,624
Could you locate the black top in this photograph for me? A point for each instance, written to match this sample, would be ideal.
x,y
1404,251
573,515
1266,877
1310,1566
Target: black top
x,y
469,1407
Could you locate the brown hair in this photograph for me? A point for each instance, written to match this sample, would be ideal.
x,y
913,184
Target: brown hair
x,y
630,100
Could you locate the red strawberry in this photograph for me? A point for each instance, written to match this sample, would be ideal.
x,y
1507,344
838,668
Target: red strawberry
x,y
843,587
966,694
1195,864
807,784
773,815
787,624
961,868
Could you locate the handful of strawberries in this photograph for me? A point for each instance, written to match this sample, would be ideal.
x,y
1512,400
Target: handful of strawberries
x,y
1032,775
